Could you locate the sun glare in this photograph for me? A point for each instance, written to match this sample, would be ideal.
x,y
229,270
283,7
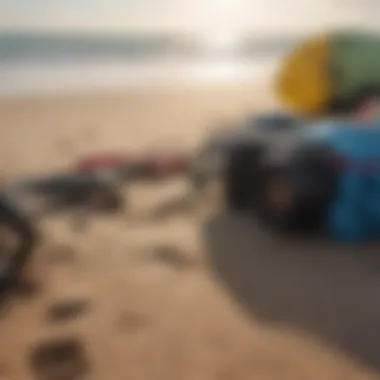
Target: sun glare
x,y
220,42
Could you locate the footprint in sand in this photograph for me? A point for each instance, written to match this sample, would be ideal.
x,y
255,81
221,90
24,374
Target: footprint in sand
x,y
59,359
66,310
171,255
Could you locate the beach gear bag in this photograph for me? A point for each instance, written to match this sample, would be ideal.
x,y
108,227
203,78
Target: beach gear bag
x,y
354,213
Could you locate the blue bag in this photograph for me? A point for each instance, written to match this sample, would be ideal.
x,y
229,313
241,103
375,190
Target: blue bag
x,y
354,213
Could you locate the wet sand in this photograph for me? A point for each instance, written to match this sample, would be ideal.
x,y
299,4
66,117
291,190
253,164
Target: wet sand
x,y
175,294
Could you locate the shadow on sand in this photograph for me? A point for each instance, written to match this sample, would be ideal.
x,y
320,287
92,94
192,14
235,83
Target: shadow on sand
x,y
330,291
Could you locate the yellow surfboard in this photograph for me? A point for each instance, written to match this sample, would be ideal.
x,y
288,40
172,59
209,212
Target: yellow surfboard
x,y
303,80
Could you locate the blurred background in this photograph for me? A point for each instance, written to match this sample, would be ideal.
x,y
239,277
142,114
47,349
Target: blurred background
x,y
53,46
165,289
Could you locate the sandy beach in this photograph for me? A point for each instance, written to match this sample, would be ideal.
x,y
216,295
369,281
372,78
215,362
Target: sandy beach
x,y
157,304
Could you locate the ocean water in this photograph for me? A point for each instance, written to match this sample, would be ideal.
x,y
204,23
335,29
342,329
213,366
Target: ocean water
x,y
50,64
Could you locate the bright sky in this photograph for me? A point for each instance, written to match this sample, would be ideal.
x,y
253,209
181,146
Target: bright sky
x,y
218,16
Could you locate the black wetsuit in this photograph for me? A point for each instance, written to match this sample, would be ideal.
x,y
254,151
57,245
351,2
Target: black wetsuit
x,y
12,218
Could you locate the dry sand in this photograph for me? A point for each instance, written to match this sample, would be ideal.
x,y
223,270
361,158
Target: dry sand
x,y
156,307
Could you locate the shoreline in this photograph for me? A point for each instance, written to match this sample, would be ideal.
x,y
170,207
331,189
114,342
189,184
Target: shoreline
x,y
106,92
122,89
85,78
137,89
